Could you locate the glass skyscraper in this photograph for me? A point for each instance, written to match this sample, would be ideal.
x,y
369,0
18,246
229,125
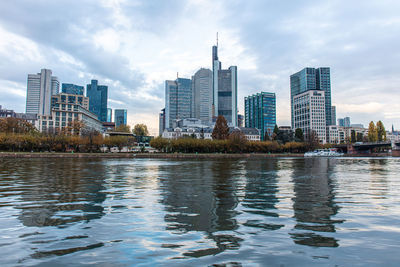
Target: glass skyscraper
x,y
72,89
178,100
98,95
109,115
224,90
312,79
120,117
260,112
202,96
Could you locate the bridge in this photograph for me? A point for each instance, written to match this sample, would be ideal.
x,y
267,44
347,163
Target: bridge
x,y
361,147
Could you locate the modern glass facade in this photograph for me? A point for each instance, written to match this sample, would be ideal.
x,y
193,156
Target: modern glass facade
x,y
73,89
178,100
202,96
312,79
260,112
120,117
109,115
98,95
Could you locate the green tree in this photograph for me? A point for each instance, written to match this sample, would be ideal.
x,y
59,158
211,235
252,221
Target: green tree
x,y
275,132
380,130
372,133
221,129
140,130
123,128
298,135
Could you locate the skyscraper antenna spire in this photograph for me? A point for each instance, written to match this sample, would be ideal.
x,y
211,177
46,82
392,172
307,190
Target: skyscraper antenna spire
x,y
217,39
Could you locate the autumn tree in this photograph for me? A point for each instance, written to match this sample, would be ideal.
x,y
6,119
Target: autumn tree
x,y
140,130
16,125
221,129
266,136
123,128
380,130
75,127
372,133
313,140
237,141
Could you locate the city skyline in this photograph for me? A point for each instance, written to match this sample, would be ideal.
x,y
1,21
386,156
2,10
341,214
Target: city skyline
x,y
133,57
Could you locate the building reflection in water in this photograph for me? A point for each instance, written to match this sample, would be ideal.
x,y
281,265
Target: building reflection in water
x,y
314,202
260,194
378,169
202,196
58,192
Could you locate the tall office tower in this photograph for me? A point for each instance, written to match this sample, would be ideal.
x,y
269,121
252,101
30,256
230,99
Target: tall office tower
x,y
260,112
224,90
346,122
202,96
109,115
40,88
240,120
178,100
312,79
161,122
120,117
69,88
98,95
341,122
309,113
333,115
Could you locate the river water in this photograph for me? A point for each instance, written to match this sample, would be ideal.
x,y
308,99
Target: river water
x,y
149,212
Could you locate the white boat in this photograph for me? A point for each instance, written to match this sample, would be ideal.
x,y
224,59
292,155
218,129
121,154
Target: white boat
x,y
323,153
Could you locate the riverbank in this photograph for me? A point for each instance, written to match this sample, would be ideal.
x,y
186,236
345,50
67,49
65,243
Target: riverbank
x,y
164,155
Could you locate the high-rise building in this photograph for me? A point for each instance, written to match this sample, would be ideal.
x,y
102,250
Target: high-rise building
x,y
260,112
333,115
98,95
120,117
202,96
224,90
340,122
240,120
109,115
40,88
312,79
161,125
178,100
309,114
72,89
346,122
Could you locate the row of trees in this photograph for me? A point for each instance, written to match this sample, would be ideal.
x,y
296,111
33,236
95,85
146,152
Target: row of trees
x,y
138,130
376,133
234,144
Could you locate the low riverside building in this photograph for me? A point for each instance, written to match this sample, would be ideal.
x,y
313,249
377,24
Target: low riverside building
x,y
251,134
6,113
65,109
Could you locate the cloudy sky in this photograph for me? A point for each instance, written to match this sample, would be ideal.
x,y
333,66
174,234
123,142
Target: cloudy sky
x,y
134,46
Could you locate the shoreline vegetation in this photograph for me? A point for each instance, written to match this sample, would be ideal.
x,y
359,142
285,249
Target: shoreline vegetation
x,y
169,155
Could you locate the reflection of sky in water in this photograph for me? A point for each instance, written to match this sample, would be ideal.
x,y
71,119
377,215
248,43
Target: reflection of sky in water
x,y
182,212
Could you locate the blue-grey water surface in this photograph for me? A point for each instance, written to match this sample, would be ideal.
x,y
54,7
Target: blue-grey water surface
x,y
149,212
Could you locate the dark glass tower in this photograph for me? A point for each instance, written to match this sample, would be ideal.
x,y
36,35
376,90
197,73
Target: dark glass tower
x,y
312,79
72,89
260,112
98,95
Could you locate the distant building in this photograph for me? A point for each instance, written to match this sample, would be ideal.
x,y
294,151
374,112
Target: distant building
x,y
251,134
9,113
357,125
346,121
309,113
40,88
225,90
340,122
260,112
333,134
240,120
161,122
178,100
312,79
98,96
69,88
120,117
6,113
202,95
333,115
108,126
109,115
65,109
